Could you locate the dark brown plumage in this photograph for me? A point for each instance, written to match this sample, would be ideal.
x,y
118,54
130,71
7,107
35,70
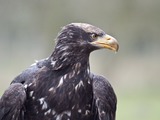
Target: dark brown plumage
x,y
61,87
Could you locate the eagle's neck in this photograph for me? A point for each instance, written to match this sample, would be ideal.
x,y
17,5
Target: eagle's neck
x,y
72,57
72,64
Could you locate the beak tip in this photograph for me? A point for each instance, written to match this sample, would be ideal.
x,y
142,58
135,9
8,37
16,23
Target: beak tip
x,y
117,48
115,45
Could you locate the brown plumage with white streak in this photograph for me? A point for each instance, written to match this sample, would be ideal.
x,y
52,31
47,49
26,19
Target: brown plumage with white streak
x,y
61,87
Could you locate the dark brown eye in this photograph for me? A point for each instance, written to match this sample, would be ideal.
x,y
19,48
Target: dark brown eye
x,y
94,36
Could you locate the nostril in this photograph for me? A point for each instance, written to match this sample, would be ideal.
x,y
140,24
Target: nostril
x,y
109,38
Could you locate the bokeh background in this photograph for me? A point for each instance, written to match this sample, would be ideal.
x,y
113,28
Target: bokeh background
x,y
28,29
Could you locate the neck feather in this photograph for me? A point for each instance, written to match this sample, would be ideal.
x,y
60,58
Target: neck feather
x,y
69,56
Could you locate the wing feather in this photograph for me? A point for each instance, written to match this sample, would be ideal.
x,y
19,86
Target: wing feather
x,y
104,99
11,102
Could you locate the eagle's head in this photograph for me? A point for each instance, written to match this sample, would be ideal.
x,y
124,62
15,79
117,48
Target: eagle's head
x,y
76,41
86,36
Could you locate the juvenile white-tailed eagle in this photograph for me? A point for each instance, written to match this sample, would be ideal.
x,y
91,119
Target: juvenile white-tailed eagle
x,y
61,87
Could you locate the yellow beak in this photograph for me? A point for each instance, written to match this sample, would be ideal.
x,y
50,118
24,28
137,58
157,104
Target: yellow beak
x,y
106,41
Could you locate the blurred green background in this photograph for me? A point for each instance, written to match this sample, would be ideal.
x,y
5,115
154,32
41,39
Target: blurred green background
x,y
28,29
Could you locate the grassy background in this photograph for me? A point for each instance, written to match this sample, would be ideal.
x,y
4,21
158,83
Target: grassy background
x,y
138,106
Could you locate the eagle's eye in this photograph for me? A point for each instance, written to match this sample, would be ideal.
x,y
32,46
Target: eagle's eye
x,y
94,36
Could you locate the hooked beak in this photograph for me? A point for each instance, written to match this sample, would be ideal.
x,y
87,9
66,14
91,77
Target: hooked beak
x,y
106,41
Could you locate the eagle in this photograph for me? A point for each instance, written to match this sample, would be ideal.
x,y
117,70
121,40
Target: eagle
x,y
62,87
